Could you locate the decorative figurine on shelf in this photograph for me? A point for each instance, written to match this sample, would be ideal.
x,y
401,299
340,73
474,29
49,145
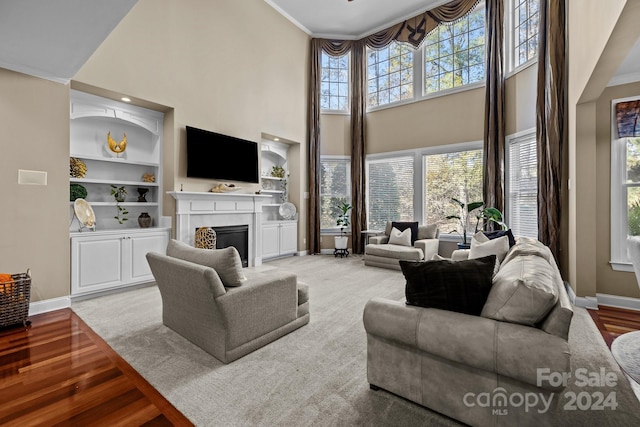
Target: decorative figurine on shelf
x,y
142,194
116,147
148,177
78,169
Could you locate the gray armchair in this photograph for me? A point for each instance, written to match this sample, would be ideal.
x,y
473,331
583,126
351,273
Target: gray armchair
x,y
228,322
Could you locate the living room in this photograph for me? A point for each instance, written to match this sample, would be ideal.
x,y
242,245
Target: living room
x,y
242,69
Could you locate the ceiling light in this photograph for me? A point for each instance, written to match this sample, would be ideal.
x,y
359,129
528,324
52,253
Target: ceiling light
x,y
276,139
125,99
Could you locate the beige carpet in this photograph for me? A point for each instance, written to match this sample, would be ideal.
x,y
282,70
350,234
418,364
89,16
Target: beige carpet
x,y
315,375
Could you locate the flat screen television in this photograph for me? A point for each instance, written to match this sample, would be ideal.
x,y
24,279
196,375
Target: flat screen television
x,y
216,156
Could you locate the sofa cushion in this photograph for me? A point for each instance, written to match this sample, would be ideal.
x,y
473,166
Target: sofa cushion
x,y
398,237
428,231
394,251
499,233
226,262
404,225
461,286
523,292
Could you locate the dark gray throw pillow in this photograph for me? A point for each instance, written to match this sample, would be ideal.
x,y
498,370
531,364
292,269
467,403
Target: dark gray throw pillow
x,y
499,233
461,286
404,225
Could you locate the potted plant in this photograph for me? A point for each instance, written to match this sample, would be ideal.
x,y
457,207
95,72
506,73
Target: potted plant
x,y
464,218
343,221
120,194
492,216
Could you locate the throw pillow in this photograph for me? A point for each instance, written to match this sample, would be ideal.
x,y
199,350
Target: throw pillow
x,y
482,246
461,286
523,292
499,233
226,262
398,237
404,225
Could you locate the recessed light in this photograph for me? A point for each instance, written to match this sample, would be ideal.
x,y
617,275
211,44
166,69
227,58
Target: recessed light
x,y
276,139
125,99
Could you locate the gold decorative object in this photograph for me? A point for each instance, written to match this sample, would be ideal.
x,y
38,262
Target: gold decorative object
x,y
117,147
78,169
205,238
224,188
148,177
277,171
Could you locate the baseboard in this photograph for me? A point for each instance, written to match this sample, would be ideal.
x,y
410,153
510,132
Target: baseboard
x,y
618,301
586,302
47,305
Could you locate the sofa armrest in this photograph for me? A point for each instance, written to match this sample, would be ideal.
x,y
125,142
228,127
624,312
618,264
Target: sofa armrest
x,y
263,303
429,247
460,254
515,351
379,240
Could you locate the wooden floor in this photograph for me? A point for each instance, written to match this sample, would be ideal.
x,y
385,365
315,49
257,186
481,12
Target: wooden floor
x,y
59,372
613,322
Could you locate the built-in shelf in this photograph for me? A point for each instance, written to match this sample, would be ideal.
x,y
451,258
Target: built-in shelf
x,y
272,204
275,178
94,204
116,160
113,182
272,191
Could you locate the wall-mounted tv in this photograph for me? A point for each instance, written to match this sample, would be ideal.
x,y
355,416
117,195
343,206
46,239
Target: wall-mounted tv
x,y
213,155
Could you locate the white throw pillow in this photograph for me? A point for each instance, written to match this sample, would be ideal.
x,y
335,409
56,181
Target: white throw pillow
x,y
482,246
398,237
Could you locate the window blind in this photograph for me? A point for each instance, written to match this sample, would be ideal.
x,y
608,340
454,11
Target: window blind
x,y
522,184
389,191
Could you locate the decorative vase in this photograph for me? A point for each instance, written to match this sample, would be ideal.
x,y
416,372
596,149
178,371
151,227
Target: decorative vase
x,y
341,242
142,194
205,238
120,196
144,220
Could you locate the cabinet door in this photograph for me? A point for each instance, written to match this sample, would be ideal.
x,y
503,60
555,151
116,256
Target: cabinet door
x,y
140,246
270,240
97,263
288,238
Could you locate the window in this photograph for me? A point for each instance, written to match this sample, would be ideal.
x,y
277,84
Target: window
x,y
455,174
389,191
389,74
334,90
335,188
522,184
524,31
454,54
625,182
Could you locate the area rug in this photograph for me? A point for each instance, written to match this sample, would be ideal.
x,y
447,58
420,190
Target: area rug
x,y
316,375
626,351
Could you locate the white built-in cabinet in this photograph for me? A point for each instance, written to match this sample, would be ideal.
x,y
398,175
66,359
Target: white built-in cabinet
x,y
114,255
279,235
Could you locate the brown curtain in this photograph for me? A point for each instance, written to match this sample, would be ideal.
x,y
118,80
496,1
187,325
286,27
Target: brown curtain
x,y
358,144
314,146
551,120
493,188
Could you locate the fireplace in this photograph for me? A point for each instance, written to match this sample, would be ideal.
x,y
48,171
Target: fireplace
x,y
236,236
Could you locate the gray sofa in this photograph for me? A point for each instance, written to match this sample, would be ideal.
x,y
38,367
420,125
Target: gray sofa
x,y
445,360
380,253
227,322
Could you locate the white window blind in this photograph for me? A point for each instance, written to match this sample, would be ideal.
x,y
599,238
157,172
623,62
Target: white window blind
x,y
335,188
522,186
389,191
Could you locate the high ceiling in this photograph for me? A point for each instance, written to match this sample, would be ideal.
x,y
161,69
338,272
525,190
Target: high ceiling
x,y
53,39
345,19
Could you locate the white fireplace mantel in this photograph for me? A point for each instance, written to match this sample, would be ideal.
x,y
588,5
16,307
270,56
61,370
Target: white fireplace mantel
x,y
197,209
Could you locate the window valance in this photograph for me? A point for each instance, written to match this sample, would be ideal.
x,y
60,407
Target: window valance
x,y
627,121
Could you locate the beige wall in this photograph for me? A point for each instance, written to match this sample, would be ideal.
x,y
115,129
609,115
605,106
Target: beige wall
x,y
234,67
609,281
238,68
34,219
593,58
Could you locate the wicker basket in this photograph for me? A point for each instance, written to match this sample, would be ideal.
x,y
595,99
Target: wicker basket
x,y
14,300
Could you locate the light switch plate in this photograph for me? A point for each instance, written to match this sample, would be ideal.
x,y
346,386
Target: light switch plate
x,y
27,177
